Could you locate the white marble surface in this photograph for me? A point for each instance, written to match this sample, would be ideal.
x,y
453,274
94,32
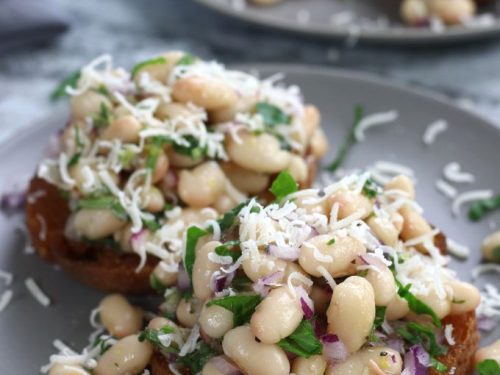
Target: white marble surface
x,y
132,30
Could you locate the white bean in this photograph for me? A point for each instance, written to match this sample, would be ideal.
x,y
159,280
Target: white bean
x,y
153,200
226,114
127,356
384,229
333,253
88,104
188,311
369,361
298,169
161,167
350,203
180,160
201,186
414,12
314,365
403,183
258,153
119,317
224,203
383,284
319,144
209,93
414,225
172,111
245,180
491,247
252,357
95,224
261,265
125,129
466,297
488,352
165,277
215,321
397,308
441,306
452,12
203,269
160,71
352,312
277,316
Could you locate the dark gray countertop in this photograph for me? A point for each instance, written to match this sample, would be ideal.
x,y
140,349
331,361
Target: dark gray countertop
x,y
132,30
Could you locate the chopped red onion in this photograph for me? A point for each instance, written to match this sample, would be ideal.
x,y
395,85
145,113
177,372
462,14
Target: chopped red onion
x,y
305,302
138,239
396,344
170,180
220,281
13,200
422,356
223,365
263,284
183,282
284,252
485,323
412,365
313,233
372,260
334,349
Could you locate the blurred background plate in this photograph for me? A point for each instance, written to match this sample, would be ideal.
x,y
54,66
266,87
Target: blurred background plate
x,y
373,21
28,329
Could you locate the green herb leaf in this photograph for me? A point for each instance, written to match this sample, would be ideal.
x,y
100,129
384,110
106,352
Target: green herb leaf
x,y
416,333
152,225
60,91
103,201
193,234
156,284
229,218
488,367
331,242
283,185
74,159
153,61
187,59
377,323
272,115
302,341
481,208
241,283
440,367
194,150
151,335
103,118
126,157
79,147
103,344
226,250
370,189
103,90
197,359
242,306
416,305
348,141
154,149
458,301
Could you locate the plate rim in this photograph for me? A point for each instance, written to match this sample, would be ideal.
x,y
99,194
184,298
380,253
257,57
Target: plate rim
x,y
411,36
367,77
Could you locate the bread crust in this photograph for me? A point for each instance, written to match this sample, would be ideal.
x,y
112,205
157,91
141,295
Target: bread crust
x,y
102,268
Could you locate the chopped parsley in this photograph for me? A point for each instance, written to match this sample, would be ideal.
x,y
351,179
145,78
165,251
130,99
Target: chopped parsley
x,y
377,323
103,117
154,149
187,59
370,189
331,242
227,249
416,305
348,141
151,335
153,61
242,306
488,367
103,201
481,208
153,225
194,150
302,341
79,147
283,185
103,344
272,115
60,91
156,284
193,234
416,333
197,359
229,218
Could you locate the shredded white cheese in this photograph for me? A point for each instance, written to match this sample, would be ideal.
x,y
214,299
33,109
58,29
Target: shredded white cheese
x,y
372,120
453,173
484,268
445,188
329,279
36,292
448,334
458,250
469,196
5,299
7,276
433,130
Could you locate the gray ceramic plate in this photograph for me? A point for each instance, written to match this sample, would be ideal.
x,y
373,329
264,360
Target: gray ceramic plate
x,y
313,17
27,329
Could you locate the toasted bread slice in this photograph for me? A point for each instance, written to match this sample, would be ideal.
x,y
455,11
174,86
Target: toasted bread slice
x,y
99,267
